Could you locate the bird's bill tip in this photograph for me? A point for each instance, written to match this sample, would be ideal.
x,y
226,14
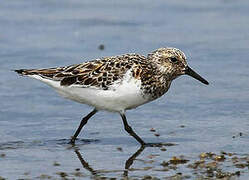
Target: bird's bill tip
x,y
193,74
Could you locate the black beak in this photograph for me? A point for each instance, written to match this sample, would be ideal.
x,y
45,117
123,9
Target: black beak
x,y
190,72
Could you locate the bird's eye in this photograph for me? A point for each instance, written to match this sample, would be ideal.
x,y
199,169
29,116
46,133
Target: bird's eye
x,y
173,59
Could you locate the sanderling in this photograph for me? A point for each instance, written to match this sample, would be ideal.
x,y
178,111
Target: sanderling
x,y
116,83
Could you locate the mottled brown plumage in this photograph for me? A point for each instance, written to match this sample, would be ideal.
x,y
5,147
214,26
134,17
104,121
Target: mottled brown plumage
x,y
100,73
104,72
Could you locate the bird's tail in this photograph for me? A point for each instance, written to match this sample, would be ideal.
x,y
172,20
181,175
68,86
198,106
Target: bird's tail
x,y
43,73
26,71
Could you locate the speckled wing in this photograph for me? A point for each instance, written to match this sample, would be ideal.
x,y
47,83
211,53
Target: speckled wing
x,y
100,73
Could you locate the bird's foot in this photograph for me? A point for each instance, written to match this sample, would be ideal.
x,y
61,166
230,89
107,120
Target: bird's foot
x,y
72,141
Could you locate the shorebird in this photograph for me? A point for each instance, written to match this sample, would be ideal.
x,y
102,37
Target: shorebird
x,y
117,83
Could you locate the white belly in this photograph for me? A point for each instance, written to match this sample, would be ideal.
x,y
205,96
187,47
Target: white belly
x,y
119,97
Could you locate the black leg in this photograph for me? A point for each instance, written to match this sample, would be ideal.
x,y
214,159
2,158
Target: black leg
x,y
130,131
82,123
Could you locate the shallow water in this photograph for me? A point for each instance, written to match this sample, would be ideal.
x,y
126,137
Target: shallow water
x,y
36,124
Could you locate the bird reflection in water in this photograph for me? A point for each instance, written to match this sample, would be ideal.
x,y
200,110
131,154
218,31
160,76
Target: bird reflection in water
x,y
128,162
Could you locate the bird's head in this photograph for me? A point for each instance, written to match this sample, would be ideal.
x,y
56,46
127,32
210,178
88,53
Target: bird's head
x,y
172,62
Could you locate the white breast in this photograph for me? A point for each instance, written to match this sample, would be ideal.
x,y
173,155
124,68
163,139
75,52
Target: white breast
x,y
125,94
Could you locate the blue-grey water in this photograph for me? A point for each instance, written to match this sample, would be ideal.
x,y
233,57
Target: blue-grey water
x,y
36,123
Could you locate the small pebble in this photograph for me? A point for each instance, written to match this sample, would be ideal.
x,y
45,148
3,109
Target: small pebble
x,y
62,174
101,47
157,134
178,160
120,149
152,130
219,158
164,163
56,164
163,149
203,155
2,155
237,173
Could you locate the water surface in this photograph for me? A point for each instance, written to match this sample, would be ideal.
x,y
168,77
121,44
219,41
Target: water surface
x,y
36,124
